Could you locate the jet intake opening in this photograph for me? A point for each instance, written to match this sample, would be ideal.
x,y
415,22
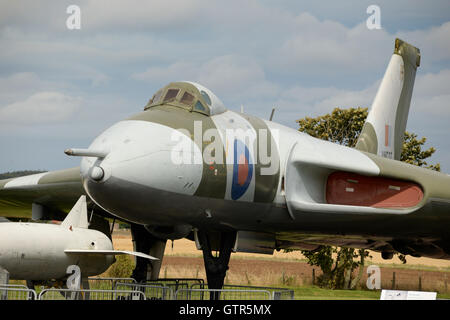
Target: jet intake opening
x,y
345,188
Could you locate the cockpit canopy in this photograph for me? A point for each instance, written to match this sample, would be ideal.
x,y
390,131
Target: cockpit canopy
x,y
189,96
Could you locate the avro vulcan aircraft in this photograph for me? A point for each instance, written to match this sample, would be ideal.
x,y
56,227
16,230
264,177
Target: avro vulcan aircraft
x,y
187,167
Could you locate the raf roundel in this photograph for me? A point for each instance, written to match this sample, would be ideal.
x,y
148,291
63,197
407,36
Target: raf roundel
x,y
242,170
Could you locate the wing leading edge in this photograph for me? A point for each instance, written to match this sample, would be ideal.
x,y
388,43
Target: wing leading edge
x,y
49,194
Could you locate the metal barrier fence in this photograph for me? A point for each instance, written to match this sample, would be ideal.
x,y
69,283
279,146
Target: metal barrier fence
x,y
151,292
276,293
177,283
161,289
234,292
222,294
80,294
16,292
97,283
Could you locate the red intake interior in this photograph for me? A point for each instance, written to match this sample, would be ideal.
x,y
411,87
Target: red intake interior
x,y
347,188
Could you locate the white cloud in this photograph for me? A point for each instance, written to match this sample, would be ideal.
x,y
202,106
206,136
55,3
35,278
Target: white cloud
x,y
180,70
101,15
298,101
33,14
136,14
433,42
430,98
431,95
231,76
40,108
303,58
235,76
324,48
429,84
348,99
18,85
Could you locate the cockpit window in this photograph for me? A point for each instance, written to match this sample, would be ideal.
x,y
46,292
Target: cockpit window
x,y
206,97
171,94
156,97
190,96
199,107
187,98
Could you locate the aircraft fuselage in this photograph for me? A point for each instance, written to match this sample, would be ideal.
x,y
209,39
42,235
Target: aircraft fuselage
x,y
271,179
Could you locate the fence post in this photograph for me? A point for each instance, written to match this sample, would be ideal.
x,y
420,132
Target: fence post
x,y
4,280
393,280
420,283
445,283
313,277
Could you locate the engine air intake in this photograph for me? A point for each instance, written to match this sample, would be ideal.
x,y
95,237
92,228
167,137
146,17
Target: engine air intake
x,y
345,188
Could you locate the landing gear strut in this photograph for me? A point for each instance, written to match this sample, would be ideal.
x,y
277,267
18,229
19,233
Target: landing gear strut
x,y
216,266
144,242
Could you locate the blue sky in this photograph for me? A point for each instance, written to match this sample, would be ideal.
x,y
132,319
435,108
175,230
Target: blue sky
x,y
60,88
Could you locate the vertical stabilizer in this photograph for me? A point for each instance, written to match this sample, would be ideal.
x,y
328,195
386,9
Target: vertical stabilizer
x,y
385,126
77,217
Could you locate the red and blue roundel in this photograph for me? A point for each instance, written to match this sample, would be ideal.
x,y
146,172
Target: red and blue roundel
x,y
242,170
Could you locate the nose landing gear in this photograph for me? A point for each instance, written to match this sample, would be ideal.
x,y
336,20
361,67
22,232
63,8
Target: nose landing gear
x,y
216,266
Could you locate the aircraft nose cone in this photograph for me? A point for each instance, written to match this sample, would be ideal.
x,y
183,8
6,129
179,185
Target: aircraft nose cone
x,y
140,167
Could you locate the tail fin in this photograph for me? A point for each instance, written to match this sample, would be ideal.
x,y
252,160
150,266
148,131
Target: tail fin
x,y
385,126
77,217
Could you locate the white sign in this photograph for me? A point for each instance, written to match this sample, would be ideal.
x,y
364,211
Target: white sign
x,y
407,295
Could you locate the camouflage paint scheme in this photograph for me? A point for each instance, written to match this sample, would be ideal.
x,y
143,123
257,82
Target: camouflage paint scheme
x,y
268,204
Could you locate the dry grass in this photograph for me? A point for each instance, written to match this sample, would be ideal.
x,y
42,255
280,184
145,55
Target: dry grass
x,y
183,260
186,248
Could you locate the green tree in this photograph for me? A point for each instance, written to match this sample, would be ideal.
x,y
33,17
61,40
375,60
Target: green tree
x,y
343,126
337,265
412,152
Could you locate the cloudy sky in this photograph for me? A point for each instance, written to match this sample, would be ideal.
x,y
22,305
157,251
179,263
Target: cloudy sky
x,y
60,88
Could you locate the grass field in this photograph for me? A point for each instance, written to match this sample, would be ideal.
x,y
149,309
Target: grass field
x,y
315,293
290,270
